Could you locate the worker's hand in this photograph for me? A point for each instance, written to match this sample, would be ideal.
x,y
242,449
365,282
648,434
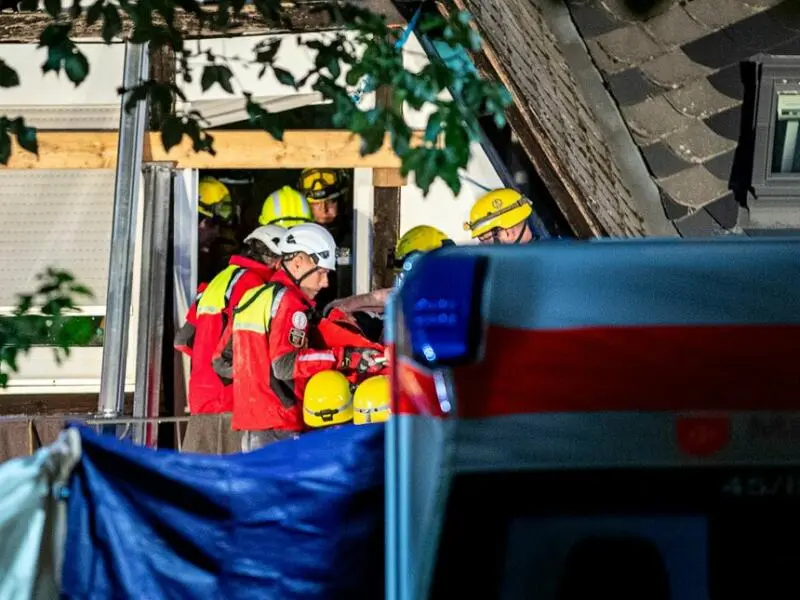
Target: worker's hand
x,y
362,360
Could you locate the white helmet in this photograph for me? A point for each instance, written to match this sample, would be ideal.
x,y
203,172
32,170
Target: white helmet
x,y
270,235
314,240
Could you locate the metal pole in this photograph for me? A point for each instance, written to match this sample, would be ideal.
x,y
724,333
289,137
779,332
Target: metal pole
x,y
155,240
123,236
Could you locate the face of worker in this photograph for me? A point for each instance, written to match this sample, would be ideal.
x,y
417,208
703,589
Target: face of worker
x,y
518,234
311,284
325,212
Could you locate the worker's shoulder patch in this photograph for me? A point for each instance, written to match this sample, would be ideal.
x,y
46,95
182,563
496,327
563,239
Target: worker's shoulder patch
x,y
297,337
299,320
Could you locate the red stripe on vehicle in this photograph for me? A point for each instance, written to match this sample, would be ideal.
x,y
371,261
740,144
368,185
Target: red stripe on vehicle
x,y
748,367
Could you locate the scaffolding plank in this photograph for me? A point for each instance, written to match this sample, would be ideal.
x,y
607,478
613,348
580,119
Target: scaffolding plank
x,y
234,150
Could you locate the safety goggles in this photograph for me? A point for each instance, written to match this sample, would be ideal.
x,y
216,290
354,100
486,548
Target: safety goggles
x,y
327,192
221,212
472,225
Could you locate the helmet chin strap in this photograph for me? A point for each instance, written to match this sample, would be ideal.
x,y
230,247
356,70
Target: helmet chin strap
x,y
518,240
522,232
294,279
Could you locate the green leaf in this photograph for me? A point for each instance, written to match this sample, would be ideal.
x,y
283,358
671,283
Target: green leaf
x,y
56,55
76,67
76,331
219,74
284,77
354,75
81,290
112,23
334,66
267,51
171,132
433,128
75,10
53,7
54,35
26,137
265,120
135,95
8,76
5,145
94,12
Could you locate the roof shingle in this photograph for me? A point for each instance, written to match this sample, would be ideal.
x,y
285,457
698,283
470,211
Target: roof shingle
x,y
686,117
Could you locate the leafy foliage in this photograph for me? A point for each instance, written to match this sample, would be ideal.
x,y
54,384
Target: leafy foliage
x,y
46,314
345,66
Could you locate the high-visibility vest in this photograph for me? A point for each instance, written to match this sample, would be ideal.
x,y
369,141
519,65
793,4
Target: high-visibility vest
x,y
207,392
260,401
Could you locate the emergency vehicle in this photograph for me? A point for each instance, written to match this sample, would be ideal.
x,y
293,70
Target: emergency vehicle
x,y
613,419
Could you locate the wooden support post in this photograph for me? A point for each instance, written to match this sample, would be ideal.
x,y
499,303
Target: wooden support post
x,y
162,69
388,178
386,214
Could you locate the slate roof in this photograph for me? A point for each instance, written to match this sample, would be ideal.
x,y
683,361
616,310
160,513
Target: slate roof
x,y
675,74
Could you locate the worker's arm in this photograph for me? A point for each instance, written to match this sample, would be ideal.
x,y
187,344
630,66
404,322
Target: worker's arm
x,y
222,360
288,342
373,301
184,338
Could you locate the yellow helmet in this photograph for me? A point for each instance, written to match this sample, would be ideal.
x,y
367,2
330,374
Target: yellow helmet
x,y
372,401
320,185
285,207
214,200
499,209
422,238
327,400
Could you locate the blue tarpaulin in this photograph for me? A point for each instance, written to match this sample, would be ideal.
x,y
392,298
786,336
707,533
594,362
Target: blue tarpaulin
x,y
300,519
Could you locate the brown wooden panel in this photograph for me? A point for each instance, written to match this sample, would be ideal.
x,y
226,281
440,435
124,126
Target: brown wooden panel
x,y
234,150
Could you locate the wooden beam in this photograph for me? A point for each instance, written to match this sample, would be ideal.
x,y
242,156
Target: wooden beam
x,y
383,178
385,212
25,27
235,150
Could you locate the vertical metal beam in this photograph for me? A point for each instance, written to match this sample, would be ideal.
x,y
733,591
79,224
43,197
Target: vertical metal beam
x,y
149,351
184,263
123,236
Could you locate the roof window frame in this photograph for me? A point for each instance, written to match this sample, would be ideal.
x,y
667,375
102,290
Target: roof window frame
x,y
776,75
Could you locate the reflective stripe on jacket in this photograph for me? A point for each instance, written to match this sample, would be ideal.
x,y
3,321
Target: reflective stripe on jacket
x,y
207,392
272,360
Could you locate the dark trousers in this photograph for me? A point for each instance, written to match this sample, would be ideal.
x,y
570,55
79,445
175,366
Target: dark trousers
x,y
253,440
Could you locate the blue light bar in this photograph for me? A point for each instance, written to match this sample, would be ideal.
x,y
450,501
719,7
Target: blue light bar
x,y
440,299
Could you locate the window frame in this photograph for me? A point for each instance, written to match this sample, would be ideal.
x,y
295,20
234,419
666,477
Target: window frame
x,y
776,74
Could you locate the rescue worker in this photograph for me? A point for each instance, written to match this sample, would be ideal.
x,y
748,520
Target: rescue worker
x,y
269,346
325,190
208,391
501,217
327,400
366,308
372,401
285,207
215,226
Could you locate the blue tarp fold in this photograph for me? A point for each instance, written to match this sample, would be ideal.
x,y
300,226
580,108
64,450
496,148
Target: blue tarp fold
x,y
301,519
